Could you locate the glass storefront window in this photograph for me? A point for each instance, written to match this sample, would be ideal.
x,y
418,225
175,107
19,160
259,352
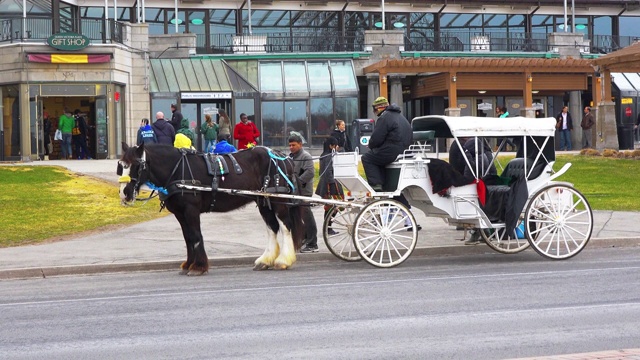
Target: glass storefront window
x,y
271,76
347,110
295,77
322,121
319,79
163,105
273,123
343,75
295,116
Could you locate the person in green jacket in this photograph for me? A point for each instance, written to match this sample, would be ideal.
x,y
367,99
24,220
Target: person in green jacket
x,y
184,129
210,131
66,125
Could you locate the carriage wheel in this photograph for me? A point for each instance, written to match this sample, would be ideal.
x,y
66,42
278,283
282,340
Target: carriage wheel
x,y
560,222
498,239
381,236
340,241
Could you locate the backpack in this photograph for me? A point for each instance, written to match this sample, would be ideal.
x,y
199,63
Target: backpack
x,y
76,129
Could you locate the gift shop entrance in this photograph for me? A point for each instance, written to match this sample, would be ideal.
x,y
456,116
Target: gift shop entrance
x,y
89,133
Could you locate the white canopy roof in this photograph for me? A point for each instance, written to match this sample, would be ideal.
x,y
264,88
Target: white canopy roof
x,y
468,126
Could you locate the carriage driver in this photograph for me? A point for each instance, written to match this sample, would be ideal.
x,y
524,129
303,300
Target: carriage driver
x,y
391,136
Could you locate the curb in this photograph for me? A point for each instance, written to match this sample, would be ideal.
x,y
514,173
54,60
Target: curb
x,y
43,272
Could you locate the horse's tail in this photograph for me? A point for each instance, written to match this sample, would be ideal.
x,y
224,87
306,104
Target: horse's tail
x,y
297,215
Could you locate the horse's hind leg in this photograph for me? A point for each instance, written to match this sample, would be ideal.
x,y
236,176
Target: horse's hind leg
x,y
287,255
267,260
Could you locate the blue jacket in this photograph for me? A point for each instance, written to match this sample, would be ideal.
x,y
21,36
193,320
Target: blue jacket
x,y
223,147
146,135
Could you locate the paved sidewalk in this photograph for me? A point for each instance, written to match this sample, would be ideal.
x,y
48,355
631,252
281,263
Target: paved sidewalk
x,y
158,244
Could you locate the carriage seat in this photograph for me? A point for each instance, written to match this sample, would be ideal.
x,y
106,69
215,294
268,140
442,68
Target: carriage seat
x,y
419,137
497,195
515,169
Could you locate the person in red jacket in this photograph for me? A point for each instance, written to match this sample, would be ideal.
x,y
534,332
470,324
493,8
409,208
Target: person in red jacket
x,y
246,132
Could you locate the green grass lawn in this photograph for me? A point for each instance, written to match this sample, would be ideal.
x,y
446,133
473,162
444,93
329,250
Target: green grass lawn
x,y
40,202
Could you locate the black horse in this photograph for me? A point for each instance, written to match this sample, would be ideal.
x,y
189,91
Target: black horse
x,y
167,167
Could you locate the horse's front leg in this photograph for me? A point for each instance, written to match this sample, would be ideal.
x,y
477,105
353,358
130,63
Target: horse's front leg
x,y
287,255
197,261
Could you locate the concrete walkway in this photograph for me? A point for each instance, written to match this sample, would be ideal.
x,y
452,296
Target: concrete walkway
x,y
233,238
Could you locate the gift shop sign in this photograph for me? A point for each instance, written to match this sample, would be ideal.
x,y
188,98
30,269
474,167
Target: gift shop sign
x,y
68,41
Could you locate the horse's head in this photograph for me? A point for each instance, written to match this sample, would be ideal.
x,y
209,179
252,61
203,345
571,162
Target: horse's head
x,y
133,172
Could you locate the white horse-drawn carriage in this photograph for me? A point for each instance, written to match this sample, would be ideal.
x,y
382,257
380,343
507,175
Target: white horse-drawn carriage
x,y
524,206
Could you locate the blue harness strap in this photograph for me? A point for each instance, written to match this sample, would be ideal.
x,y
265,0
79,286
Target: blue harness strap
x,y
276,157
159,189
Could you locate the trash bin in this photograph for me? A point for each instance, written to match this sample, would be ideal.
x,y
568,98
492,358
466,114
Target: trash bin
x,y
625,136
361,131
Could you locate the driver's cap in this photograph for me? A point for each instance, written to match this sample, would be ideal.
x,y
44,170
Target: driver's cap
x,y
380,101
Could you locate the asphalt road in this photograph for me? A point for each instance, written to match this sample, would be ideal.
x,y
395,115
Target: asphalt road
x,y
487,306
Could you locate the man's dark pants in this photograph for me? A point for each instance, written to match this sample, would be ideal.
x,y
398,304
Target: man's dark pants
x,y
311,229
374,162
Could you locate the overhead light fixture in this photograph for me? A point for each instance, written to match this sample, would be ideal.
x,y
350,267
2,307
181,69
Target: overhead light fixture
x,y
482,91
398,25
534,91
197,21
378,24
581,26
174,21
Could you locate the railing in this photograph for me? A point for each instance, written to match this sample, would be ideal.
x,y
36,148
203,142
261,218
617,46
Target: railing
x,y
604,44
38,30
280,43
475,41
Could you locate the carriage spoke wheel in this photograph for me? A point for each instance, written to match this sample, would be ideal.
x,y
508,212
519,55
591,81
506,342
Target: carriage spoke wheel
x,y
560,222
337,231
381,236
498,239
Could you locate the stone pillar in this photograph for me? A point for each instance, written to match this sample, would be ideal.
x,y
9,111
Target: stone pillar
x,y
452,112
528,112
373,89
25,123
607,132
568,45
138,101
395,95
576,110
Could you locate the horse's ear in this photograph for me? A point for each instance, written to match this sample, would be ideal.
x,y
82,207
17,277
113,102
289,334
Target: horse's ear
x,y
140,150
125,147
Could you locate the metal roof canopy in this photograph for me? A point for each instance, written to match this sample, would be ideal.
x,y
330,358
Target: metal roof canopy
x,y
471,126
188,75
624,84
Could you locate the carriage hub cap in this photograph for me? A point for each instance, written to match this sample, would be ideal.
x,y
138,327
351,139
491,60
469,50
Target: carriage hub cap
x,y
560,222
385,233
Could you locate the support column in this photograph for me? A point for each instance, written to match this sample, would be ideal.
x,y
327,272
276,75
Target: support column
x,y
372,94
25,123
607,132
528,110
395,93
576,110
453,109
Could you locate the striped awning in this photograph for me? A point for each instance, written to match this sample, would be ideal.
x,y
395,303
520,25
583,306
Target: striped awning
x,y
188,75
69,58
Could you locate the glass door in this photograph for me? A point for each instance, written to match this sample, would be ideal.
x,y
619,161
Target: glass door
x,y
37,137
102,133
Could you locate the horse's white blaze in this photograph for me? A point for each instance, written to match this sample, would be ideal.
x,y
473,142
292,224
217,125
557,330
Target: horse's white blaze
x,y
287,251
125,172
272,251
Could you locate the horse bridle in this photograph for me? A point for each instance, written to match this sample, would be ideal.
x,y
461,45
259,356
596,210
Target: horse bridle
x,y
141,177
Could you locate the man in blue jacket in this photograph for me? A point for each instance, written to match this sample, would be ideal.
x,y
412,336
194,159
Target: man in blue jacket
x,y
391,136
146,134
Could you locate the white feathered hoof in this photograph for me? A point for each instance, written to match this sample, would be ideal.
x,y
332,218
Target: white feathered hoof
x,y
260,267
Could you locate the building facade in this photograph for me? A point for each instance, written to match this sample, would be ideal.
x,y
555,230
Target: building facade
x,y
294,65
